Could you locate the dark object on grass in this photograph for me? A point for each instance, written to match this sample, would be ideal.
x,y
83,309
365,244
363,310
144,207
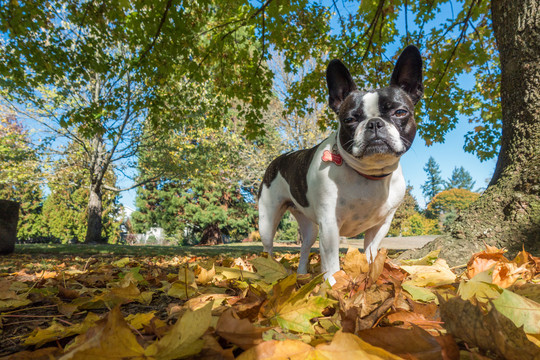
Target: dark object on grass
x,y
9,217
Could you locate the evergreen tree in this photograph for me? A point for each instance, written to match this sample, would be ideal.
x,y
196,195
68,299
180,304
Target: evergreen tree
x,y
434,183
65,209
460,179
20,176
409,207
148,213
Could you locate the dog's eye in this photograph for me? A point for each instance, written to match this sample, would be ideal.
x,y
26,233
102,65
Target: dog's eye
x,y
349,120
400,113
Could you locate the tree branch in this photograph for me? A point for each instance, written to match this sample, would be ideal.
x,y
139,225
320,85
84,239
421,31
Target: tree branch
x,y
115,189
449,60
158,32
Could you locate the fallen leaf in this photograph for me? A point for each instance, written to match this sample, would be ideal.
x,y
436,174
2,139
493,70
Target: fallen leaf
x,y
111,336
240,332
57,331
206,276
355,263
418,293
492,331
343,346
522,311
138,321
270,270
435,275
429,259
405,343
296,316
277,350
184,338
377,266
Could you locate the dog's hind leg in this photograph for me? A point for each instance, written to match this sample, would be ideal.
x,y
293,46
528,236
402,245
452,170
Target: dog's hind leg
x,y
308,230
271,210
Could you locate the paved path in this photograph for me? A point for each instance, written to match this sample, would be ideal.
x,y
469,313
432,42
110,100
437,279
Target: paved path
x,y
391,243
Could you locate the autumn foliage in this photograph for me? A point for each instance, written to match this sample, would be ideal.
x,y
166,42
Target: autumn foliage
x,y
253,307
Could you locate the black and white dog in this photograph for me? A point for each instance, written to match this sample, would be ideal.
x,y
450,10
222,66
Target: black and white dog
x,y
351,182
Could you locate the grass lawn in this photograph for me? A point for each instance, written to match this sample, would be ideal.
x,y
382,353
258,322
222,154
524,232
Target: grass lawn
x,y
234,249
229,250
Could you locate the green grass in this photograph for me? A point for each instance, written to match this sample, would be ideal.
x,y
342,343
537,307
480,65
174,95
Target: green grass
x,y
230,250
235,249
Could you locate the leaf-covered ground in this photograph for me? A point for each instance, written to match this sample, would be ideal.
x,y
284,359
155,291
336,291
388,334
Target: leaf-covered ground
x,y
102,306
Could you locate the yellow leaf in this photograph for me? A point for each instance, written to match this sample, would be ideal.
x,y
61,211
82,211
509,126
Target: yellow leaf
x,y
277,350
355,263
350,346
140,319
184,338
269,269
206,276
343,346
181,291
111,337
435,275
58,331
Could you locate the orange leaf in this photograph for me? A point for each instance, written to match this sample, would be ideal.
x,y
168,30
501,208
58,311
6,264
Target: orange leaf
x,y
240,332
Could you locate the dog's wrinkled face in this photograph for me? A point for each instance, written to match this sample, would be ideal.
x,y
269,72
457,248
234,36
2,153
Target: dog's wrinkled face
x,y
377,124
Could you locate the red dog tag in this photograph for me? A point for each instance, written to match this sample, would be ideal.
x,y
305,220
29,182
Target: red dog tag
x,y
331,157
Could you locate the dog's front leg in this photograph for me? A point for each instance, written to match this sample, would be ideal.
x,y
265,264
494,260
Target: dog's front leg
x,y
329,249
374,236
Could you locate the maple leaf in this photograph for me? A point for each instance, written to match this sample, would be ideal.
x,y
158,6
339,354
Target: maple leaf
x,y
269,269
492,331
111,337
435,275
355,263
522,311
240,332
293,310
58,331
184,338
343,346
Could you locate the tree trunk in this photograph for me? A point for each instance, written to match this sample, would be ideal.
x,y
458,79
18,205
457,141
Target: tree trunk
x,y
508,213
95,207
97,168
211,235
9,217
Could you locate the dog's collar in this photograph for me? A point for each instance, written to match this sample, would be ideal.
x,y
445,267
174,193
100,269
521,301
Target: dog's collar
x,y
336,158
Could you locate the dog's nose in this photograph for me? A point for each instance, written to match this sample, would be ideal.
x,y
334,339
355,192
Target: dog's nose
x,y
374,124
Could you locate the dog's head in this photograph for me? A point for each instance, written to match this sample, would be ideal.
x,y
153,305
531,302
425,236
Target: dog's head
x,y
378,126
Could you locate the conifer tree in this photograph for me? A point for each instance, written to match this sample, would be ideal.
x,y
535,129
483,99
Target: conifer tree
x,y
434,183
20,176
460,179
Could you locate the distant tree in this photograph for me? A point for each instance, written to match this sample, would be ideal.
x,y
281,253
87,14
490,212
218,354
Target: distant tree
x,y
207,175
450,200
148,213
434,183
460,179
408,208
20,175
65,209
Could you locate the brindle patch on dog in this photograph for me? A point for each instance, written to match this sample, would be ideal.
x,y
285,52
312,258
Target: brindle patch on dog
x,y
293,167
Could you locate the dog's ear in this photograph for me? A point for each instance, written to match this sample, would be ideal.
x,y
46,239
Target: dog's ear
x,y
340,83
408,73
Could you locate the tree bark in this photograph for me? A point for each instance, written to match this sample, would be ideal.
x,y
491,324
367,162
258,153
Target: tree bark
x,y
95,209
97,167
508,213
9,217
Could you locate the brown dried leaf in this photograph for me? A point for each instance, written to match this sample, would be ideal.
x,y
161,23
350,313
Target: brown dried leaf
x,y
240,332
492,331
413,342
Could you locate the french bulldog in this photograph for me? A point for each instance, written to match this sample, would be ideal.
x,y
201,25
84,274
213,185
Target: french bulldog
x,y
352,182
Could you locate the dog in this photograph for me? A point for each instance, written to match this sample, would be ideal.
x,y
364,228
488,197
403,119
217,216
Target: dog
x,y
351,182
